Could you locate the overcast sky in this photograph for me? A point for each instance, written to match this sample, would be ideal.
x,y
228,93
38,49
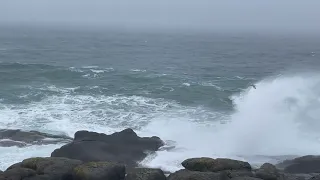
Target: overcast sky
x,y
299,15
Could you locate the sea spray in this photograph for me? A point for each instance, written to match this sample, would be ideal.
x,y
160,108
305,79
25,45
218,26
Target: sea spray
x,y
276,120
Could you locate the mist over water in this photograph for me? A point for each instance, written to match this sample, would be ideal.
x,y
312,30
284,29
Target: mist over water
x,y
251,16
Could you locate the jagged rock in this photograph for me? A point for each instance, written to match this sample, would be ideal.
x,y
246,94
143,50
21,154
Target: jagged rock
x,y
196,175
268,172
145,174
55,168
302,165
124,147
16,137
205,164
17,174
99,171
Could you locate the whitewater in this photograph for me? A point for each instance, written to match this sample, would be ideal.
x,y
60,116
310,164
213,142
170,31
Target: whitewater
x,y
279,119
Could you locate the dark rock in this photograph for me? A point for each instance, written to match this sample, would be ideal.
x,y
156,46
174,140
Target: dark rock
x,y
40,177
10,143
16,137
205,164
239,173
302,165
268,172
196,175
16,165
17,174
123,147
317,177
145,174
99,171
245,178
56,168
287,176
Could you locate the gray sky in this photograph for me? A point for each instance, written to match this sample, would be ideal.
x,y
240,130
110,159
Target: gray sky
x,y
276,15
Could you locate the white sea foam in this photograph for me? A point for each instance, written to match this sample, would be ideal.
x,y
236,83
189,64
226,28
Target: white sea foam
x,y
89,67
277,119
138,70
11,155
211,84
97,71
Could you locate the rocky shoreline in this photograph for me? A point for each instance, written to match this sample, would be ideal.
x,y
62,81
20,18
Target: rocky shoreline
x,y
97,156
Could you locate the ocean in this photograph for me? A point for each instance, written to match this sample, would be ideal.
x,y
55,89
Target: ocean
x,y
190,89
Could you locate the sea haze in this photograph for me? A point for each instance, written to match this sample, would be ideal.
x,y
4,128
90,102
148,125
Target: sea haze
x,y
191,89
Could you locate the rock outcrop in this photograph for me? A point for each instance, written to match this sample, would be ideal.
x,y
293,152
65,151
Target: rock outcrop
x,y
205,164
17,174
99,171
97,156
301,165
42,168
217,169
268,172
196,175
124,147
145,174
16,137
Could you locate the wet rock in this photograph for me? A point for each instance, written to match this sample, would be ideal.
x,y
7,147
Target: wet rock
x,y
302,165
268,172
196,175
124,147
17,174
145,174
205,164
99,171
56,168
16,137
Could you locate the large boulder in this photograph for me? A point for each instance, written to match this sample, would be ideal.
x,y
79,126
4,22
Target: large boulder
x,y
17,174
16,137
302,165
268,172
124,147
196,175
99,171
205,164
52,168
145,174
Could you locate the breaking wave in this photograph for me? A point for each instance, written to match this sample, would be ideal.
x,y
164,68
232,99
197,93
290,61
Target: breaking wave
x,y
278,119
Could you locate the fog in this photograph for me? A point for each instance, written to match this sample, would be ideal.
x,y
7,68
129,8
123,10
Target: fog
x,y
269,15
